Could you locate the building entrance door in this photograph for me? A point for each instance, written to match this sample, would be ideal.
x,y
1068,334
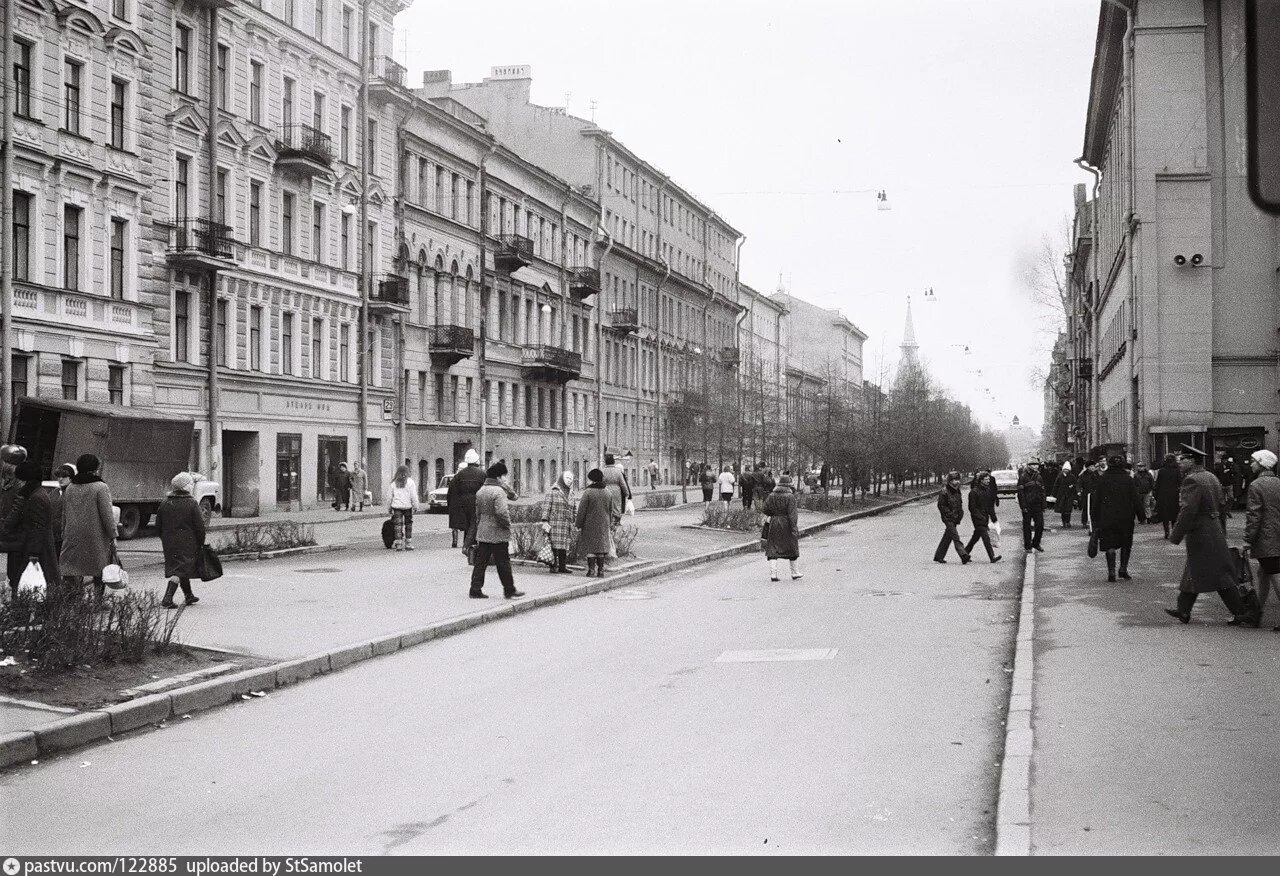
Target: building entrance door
x,y
331,451
289,472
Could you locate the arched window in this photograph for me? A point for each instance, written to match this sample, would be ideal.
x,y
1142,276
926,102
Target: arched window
x,y
542,475
455,308
472,303
424,484
441,318
516,481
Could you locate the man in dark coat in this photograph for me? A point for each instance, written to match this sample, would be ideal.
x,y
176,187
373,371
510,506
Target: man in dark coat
x,y
1088,480
1116,507
764,484
951,509
1066,491
462,499
1145,483
1031,500
982,513
1209,565
747,484
1168,489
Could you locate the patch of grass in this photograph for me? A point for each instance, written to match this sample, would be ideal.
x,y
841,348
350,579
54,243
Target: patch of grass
x,y
660,500
63,628
254,538
719,516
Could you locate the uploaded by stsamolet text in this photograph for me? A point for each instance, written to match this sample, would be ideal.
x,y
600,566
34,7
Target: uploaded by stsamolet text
x,y
186,866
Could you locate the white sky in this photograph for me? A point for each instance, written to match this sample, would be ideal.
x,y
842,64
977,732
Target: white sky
x,y
969,115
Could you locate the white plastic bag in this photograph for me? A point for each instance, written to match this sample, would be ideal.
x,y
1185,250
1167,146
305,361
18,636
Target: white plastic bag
x,y
995,534
630,508
32,580
115,577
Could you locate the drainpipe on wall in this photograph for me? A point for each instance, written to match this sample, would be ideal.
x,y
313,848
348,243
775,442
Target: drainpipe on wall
x,y
215,430
600,339
564,321
6,221
362,344
481,358
658,430
737,333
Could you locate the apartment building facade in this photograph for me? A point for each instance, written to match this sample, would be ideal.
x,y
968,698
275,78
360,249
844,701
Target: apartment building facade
x,y
832,348
668,270
1183,317
81,204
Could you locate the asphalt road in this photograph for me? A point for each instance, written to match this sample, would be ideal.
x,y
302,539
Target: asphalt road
x,y
606,724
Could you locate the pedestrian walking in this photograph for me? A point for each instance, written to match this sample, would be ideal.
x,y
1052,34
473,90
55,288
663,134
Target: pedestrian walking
x,y
708,482
725,484
982,513
559,511
402,503
88,527
653,474
461,498
782,528
342,488
747,486
1168,492
951,510
181,528
1031,499
1209,567
1146,484
493,535
1088,480
10,542
594,521
1116,509
763,484
615,481
29,524
1066,493
359,485
1262,524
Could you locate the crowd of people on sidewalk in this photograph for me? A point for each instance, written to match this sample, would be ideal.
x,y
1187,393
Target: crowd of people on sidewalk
x,y
1191,502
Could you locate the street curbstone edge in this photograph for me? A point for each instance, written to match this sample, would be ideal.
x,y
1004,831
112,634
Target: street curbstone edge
x,y
292,671
17,748
204,695
139,712
1013,804
72,731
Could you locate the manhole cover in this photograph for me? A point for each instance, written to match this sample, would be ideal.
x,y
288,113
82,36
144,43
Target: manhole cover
x,y
630,594
318,570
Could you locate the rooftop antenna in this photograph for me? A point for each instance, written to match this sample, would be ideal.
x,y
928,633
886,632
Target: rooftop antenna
x,y
593,112
567,96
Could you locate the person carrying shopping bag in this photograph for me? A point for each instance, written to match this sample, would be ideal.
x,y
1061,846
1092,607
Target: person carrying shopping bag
x,y
182,532
559,510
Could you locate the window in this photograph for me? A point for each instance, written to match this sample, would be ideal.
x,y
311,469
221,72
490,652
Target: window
x,y
70,379
181,326
118,9
453,196
115,384
528,405
286,223
470,196
319,20
118,92
182,60
317,231
317,111
255,338
71,96
344,353
439,397
286,343
220,197
220,331
255,213
180,188
288,12
21,236
71,216
255,92
317,342
224,54
18,375
118,235
374,39
22,78
347,14
345,255
371,147
286,106
440,190
344,135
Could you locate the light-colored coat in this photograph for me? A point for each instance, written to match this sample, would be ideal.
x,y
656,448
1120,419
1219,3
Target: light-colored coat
x,y
88,529
1209,566
560,509
493,520
615,481
1262,515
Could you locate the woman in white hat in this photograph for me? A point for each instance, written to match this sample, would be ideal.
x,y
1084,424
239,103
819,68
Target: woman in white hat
x,y
1262,523
181,528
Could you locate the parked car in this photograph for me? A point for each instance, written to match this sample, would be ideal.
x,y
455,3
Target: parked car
x,y
1006,481
438,499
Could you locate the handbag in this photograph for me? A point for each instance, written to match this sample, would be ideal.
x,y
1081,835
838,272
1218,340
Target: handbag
x,y
113,574
545,554
210,566
994,532
1093,544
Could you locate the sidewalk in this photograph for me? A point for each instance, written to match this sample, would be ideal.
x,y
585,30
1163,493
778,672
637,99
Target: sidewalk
x,y
1150,737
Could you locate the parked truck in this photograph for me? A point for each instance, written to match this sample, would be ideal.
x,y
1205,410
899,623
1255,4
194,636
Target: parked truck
x,y
141,450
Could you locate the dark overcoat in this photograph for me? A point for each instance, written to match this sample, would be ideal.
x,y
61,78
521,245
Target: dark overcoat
x,y
1262,515
1209,566
981,507
951,506
1066,491
463,487
1116,505
1168,488
594,519
180,526
782,541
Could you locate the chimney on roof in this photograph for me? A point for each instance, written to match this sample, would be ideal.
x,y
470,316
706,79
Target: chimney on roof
x,y
513,80
436,83
1080,195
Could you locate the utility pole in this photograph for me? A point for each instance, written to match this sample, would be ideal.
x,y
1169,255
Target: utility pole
x,y
215,233
6,218
482,353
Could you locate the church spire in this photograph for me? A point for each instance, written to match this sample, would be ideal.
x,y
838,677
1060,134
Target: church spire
x,y
909,346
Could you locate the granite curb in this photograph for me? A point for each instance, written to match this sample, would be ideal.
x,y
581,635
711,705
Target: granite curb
x,y
87,727
1013,807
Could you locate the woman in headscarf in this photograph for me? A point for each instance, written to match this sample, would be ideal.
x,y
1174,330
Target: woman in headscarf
x,y
29,522
88,526
782,537
559,510
181,528
594,520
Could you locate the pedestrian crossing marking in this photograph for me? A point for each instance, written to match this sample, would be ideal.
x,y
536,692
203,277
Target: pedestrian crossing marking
x,y
777,655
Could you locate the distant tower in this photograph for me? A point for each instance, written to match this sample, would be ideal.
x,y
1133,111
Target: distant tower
x,y
910,349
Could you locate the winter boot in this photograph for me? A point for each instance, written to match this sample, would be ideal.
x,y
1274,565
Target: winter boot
x,y
591,567
170,589
1111,567
562,562
187,596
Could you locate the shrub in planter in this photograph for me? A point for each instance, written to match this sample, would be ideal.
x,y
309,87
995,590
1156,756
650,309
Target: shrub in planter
x,y
530,513
253,538
660,500
717,516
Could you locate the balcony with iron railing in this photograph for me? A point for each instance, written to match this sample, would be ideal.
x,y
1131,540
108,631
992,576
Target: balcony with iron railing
x,y
450,344
583,283
389,80
390,294
512,252
303,149
552,364
624,320
199,245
